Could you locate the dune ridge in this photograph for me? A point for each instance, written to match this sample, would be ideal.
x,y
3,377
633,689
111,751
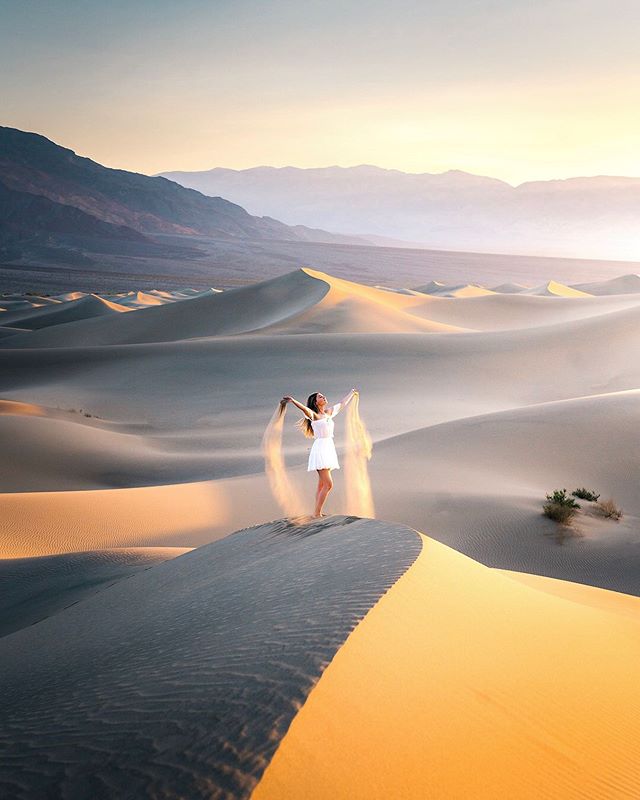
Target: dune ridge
x,y
461,682
216,651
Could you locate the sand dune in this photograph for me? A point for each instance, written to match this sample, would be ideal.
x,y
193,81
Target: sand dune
x,y
210,314
555,289
509,288
464,683
456,290
181,680
33,589
175,515
302,302
87,307
333,658
142,430
349,307
625,284
488,476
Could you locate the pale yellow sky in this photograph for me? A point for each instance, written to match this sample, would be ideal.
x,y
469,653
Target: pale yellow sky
x,y
500,87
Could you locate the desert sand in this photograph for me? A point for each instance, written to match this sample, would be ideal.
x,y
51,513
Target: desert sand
x,y
131,426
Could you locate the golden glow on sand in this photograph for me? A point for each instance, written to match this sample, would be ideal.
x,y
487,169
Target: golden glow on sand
x,y
462,682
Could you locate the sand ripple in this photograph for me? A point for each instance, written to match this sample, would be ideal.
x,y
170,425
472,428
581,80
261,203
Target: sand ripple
x,y
181,680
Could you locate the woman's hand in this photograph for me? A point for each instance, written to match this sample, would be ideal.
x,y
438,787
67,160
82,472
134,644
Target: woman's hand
x,y
287,399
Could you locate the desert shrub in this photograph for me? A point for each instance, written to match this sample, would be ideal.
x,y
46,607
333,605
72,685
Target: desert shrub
x,y
559,512
609,509
559,497
586,494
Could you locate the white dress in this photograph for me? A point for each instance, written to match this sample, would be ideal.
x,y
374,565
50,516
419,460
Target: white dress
x,y
323,451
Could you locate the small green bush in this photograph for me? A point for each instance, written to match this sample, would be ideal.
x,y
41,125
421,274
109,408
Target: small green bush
x,y
559,512
559,497
609,509
586,494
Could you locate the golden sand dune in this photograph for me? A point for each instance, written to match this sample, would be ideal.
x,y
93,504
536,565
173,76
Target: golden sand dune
x,y
461,683
349,307
176,515
333,658
67,296
457,290
180,681
555,289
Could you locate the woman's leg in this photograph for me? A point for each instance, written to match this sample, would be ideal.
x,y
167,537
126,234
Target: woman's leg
x,y
325,485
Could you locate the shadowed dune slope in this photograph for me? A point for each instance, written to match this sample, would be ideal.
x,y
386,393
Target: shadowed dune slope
x,y
74,310
488,477
215,651
465,683
45,453
210,314
624,284
502,312
32,589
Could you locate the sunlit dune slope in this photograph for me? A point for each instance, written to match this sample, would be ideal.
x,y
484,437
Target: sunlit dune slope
x,y
177,515
464,683
350,307
555,289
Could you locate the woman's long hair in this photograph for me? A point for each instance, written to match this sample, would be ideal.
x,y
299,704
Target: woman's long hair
x,y
305,423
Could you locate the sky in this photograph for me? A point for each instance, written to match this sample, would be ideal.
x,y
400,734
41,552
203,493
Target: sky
x,y
515,89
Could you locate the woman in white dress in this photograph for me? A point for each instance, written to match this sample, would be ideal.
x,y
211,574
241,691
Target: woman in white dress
x,y
317,423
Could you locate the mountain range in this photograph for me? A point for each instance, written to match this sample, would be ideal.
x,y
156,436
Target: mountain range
x,y
56,206
579,217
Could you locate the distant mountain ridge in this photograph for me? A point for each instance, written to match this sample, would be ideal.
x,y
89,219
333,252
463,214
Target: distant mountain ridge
x,y
455,210
54,202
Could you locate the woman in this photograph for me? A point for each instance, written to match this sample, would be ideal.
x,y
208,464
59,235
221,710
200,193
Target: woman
x,y
318,424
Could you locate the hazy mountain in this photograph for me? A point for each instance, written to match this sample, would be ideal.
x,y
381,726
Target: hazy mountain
x,y
582,217
55,204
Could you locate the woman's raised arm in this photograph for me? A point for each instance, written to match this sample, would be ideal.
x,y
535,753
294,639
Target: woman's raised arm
x,y
344,402
306,411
